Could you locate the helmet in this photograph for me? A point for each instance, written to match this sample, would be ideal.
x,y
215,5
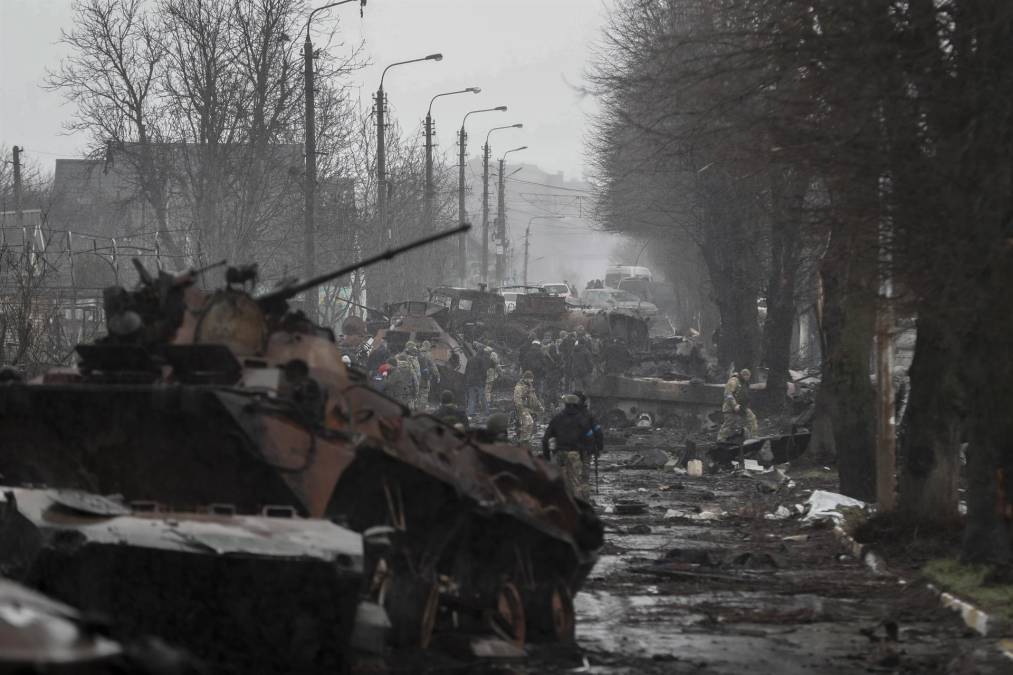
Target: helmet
x,y
447,397
426,345
571,399
497,424
528,375
745,374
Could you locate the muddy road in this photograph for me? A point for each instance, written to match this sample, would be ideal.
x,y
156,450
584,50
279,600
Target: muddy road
x,y
703,582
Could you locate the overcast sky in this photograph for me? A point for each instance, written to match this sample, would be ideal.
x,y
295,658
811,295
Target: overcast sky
x,y
527,54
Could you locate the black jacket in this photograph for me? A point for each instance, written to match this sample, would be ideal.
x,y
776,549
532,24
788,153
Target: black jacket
x,y
474,372
573,430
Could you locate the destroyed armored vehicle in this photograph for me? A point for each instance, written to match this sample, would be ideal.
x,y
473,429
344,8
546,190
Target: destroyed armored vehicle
x,y
420,321
197,398
229,588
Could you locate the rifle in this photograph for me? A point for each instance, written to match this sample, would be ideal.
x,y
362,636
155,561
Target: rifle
x,y
273,299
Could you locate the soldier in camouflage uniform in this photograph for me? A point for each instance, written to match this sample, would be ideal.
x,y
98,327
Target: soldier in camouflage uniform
x,y
411,355
526,402
491,374
571,442
735,408
402,384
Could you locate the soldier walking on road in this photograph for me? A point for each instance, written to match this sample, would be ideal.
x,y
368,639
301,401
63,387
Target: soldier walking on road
x,y
735,408
491,374
527,403
402,384
582,365
430,374
571,432
474,382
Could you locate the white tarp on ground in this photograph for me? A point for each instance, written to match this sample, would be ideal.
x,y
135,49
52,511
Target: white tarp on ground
x,y
823,504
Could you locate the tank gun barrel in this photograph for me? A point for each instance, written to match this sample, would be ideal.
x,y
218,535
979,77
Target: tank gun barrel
x,y
288,292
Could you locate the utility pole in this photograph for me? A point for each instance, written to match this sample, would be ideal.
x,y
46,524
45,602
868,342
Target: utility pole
x,y
384,224
311,302
500,227
462,217
501,231
527,241
17,186
381,165
427,197
485,212
310,187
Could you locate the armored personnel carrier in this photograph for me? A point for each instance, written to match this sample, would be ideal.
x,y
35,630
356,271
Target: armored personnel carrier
x,y
197,398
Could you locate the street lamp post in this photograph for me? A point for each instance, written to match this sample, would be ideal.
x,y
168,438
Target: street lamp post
x,y
381,149
485,199
527,240
427,208
310,185
462,253
501,240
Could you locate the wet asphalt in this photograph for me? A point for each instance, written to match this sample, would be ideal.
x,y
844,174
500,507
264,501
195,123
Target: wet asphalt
x,y
703,582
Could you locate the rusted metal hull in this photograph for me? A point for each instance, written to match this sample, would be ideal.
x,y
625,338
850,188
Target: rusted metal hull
x,y
620,399
463,510
231,589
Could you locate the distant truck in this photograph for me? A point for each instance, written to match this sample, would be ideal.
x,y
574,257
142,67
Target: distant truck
x,y
614,274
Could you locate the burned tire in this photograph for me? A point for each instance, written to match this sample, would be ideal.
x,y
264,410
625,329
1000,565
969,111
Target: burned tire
x,y
412,604
507,618
551,615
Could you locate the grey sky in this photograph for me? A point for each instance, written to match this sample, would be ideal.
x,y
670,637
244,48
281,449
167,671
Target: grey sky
x,y
526,54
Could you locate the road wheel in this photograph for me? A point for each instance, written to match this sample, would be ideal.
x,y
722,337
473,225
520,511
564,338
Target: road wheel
x,y
551,612
507,619
412,604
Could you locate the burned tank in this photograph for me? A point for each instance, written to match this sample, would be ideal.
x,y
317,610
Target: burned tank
x,y
187,577
196,398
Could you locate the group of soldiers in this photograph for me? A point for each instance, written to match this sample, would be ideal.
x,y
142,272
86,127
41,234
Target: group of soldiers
x,y
407,376
567,362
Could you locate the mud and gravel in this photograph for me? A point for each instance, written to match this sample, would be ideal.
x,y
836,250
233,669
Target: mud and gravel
x,y
701,581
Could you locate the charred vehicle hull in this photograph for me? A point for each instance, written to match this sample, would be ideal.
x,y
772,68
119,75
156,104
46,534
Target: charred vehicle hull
x,y
231,589
225,398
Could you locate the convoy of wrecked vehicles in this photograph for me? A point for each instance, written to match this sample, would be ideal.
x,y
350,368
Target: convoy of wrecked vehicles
x,y
211,414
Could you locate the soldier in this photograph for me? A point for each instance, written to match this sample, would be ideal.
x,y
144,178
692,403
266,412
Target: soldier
x,y
377,357
474,382
411,354
552,380
495,430
449,412
581,365
571,433
565,348
430,374
597,434
735,408
402,384
526,402
491,375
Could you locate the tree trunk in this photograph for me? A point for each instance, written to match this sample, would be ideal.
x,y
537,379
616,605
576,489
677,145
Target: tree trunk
x,y
988,536
930,451
731,265
788,192
849,284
